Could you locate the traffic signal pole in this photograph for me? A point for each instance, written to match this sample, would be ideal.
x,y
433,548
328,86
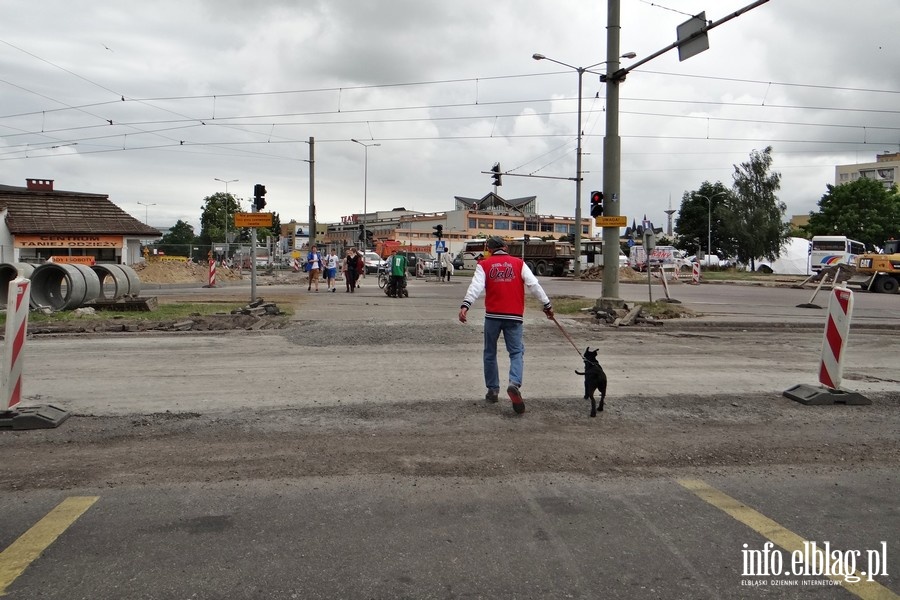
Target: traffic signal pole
x,y
259,203
253,262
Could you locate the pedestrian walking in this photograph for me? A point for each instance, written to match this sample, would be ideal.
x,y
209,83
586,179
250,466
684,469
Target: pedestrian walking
x,y
503,279
331,267
353,268
314,268
344,262
446,265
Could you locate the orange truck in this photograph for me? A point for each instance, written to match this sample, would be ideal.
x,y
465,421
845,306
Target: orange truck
x,y
384,248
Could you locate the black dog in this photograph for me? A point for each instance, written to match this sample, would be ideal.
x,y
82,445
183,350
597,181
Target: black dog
x,y
594,379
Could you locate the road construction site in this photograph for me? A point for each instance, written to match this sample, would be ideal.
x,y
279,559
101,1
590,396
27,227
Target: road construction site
x,y
351,454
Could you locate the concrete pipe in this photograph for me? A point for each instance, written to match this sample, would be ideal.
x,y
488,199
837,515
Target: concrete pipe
x,y
113,282
8,272
91,283
63,286
58,287
134,282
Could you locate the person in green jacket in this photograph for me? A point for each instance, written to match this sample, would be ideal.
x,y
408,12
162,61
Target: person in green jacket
x,y
396,287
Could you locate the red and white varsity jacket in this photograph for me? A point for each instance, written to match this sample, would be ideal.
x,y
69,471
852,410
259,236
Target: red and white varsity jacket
x,y
504,278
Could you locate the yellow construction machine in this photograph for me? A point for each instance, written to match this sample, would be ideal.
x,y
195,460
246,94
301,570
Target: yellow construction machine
x,y
880,272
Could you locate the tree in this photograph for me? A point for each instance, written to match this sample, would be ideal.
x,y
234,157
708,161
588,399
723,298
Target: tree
x,y
862,210
274,230
178,241
698,223
752,215
212,220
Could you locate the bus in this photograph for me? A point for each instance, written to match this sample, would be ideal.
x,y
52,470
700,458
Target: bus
x,y
829,250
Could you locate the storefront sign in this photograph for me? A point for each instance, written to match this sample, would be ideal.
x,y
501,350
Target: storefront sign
x,y
71,260
68,241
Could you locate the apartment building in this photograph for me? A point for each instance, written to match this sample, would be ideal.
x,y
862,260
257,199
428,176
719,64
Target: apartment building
x,y
885,169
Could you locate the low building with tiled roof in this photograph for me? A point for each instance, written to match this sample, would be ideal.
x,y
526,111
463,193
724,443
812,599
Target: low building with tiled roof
x,y
492,203
38,222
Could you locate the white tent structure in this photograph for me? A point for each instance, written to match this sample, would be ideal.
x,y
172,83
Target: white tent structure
x,y
793,260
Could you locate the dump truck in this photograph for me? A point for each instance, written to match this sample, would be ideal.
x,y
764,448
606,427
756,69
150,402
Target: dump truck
x,y
542,257
879,272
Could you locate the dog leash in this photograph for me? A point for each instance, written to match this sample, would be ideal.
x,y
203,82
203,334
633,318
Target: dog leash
x,y
568,337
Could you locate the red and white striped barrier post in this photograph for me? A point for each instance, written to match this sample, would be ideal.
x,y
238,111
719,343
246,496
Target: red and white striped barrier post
x,y
12,416
16,330
212,273
695,275
840,308
837,328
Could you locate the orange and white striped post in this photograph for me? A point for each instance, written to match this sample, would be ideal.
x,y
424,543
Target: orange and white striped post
x,y
695,275
16,330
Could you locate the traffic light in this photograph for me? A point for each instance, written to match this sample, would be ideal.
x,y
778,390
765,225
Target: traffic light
x,y
259,193
496,170
438,231
596,204
362,232
369,241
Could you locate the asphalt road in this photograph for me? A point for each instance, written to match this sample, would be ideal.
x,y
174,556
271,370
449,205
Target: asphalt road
x,y
352,457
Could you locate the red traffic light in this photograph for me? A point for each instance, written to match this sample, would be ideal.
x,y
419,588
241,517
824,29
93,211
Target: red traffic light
x,y
596,204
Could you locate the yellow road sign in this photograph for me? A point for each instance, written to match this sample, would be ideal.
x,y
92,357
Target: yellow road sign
x,y
243,219
619,221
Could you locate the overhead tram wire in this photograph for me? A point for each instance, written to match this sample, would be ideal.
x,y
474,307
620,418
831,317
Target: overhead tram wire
x,y
406,84
238,126
220,122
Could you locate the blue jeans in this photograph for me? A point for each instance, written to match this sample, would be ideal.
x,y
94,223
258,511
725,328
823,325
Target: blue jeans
x,y
512,335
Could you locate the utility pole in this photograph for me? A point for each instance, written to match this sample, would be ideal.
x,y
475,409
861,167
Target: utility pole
x,y
312,191
612,160
691,40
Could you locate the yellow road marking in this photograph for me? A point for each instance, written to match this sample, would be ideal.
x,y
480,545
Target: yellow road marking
x,y
790,541
22,552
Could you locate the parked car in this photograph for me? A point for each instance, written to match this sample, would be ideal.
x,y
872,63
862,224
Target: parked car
x,y
373,262
458,262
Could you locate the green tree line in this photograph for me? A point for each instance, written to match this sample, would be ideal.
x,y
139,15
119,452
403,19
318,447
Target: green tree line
x,y
747,220
181,239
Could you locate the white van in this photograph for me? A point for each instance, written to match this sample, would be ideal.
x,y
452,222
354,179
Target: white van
x,y
669,256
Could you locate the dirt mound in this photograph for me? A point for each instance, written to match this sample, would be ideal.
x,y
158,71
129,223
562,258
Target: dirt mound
x,y
173,271
625,274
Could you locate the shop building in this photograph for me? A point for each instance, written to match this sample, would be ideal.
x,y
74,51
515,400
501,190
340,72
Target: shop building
x,y
471,218
38,223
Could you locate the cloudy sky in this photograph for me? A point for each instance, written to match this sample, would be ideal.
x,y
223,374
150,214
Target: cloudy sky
x,y
151,102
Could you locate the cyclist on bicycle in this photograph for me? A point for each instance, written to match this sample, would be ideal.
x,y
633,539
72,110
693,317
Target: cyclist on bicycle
x,y
396,287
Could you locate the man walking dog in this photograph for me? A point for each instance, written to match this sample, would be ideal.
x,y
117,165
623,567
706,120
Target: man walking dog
x,y
503,278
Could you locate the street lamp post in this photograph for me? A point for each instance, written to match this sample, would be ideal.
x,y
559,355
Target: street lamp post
x,y
146,206
709,223
581,71
365,187
226,209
